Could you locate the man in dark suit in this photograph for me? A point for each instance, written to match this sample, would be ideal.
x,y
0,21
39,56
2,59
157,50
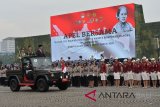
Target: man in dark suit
x,y
40,52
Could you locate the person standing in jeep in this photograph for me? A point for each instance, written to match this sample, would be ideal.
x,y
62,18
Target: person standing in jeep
x,y
30,51
40,51
21,53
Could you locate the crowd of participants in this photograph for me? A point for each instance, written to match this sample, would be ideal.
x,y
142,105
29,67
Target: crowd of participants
x,y
129,72
4,68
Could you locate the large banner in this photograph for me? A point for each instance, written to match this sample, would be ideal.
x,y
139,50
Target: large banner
x,y
107,31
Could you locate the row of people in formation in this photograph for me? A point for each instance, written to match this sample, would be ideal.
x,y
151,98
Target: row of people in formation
x,y
130,70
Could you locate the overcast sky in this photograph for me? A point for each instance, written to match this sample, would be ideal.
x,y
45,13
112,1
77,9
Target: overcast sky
x,y
19,18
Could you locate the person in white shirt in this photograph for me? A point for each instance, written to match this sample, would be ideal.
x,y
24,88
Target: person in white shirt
x,y
3,75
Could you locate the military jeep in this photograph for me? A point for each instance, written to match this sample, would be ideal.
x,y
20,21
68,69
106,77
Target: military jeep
x,y
37,73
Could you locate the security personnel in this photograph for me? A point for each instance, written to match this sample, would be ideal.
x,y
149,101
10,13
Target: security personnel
x,y
73,75
96,72
85,73
69,71
91,75
82,79
77,75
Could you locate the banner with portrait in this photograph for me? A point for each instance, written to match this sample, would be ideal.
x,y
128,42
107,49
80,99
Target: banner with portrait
x,y
107,31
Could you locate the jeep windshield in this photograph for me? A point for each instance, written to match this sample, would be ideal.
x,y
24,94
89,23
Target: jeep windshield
x,y
42,63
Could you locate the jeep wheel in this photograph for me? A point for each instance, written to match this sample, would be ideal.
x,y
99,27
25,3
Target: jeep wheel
x,y
63,86
42,85
14,85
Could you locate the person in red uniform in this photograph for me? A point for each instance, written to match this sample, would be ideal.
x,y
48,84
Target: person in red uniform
x,y
130,72
63,65
125,70
145,77
103,69
117,70
148,72
134,73
137,73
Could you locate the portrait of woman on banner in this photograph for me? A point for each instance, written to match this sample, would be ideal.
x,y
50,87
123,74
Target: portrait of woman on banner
x,y
122,25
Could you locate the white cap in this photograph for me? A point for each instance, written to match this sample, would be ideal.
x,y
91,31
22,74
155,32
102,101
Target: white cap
x,y
152,59
115,58
125,60
137,59
144,57
133,60
102,60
